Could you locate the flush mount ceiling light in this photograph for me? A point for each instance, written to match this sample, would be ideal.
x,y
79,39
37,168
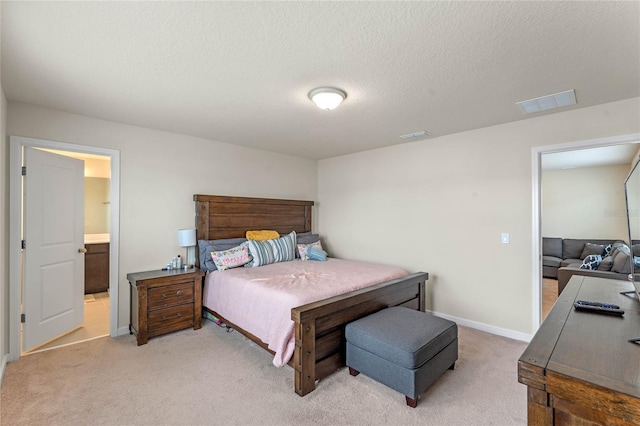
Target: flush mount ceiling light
x,y
557,100
327,98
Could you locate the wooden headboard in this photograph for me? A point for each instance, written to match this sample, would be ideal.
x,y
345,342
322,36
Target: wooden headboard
x,y
219,217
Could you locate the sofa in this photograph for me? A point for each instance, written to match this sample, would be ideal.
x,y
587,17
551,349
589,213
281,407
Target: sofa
x,y
562,258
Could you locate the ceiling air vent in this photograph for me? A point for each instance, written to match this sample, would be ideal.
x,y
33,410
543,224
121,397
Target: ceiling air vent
x,y
544,103
416,135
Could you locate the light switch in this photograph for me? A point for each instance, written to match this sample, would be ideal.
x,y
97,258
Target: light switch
x,y
505,238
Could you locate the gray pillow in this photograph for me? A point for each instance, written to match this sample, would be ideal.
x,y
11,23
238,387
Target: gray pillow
x,y
622,260
207,246
606,264
307,238
590,248
615,246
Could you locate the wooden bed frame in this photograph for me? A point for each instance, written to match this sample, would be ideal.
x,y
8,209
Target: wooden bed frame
x,y
319,326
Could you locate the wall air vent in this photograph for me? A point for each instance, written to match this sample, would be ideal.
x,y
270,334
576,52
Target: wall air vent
x,y
544,103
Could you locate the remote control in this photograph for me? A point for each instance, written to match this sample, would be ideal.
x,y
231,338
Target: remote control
x,y
603,305
609,309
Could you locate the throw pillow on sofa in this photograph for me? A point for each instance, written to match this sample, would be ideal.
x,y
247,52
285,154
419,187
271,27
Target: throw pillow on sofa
x,y
592,261
606,264
590,248
622,260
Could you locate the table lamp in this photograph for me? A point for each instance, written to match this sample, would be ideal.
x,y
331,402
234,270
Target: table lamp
x,y
187,238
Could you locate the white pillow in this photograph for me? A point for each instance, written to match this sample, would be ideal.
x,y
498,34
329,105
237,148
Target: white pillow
x,y
232,258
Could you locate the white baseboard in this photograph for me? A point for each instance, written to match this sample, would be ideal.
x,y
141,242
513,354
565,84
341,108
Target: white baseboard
x,y
122,331
511,334
3,365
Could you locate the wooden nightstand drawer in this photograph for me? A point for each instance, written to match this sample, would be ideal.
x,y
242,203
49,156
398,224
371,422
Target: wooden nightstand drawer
x,y
176,294
174,318
165,301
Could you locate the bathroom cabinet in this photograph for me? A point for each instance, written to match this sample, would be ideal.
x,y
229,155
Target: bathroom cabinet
x,y
96,268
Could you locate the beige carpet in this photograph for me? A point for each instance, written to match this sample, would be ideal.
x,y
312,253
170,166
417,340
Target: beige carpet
x,y
210,377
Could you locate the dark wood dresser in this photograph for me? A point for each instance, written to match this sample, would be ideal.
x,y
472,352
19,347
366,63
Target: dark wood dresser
x,y
165,301
579,367
96,268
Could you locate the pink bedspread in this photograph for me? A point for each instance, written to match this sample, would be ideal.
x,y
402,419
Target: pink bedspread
x,y
259,300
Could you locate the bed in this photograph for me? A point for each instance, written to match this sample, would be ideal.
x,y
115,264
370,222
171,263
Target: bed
x,y
318,327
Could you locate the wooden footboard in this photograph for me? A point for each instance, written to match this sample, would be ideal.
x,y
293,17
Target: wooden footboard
x,y
319,326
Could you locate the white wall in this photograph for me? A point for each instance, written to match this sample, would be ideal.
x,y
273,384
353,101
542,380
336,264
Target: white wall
x,y
586,202
160,172
439,205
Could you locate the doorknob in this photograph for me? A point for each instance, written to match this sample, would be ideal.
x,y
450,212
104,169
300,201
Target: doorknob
x,y
82,250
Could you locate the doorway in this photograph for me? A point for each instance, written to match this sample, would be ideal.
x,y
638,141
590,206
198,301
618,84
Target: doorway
x,y
17,144
537,153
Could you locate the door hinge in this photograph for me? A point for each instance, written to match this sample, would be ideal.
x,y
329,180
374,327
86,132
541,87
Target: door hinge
x,y
23,318
24,170
24,244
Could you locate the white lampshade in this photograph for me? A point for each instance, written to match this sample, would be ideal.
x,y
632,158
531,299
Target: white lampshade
x,y
327,98
187,237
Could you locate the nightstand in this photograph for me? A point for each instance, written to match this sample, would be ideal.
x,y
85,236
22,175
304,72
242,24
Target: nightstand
x,y
165,301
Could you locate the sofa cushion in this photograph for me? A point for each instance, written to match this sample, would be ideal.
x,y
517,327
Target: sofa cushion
x,y
622,260
592,261
606,264
552,247
572,247
590,248
551,261
567,262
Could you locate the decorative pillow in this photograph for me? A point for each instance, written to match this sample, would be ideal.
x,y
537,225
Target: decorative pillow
x,y
615,246
591,262
316,253
207,246
590,248
307,238
232,258
607,250
262,235
636,262
303,249
265,252
622,260
606,264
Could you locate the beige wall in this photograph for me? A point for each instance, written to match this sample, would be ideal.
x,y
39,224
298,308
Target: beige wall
x,y
585,203
439,205
96,205
160,172
4,231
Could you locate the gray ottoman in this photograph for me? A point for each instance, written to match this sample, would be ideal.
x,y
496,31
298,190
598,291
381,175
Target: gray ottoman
x,y
402,348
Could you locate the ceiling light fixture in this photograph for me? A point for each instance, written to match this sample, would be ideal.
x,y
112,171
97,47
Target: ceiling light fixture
x,y
327,98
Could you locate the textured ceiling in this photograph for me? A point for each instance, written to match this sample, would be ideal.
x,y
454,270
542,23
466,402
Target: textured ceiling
x,y
239,72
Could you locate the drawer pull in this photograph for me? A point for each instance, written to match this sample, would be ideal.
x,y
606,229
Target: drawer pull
x,y
178,293
178,315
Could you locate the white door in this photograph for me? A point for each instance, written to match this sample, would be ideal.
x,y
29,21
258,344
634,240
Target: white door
x,y
53,292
